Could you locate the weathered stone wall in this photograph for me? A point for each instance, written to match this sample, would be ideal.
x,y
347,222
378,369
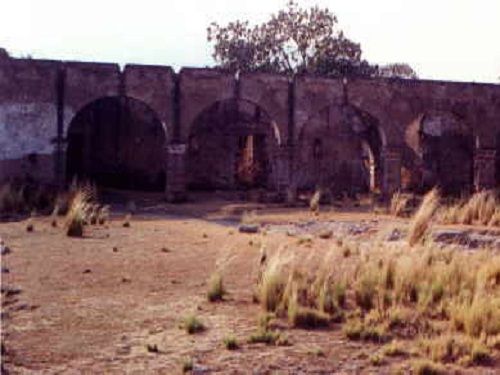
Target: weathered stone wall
x,y
39,100
28,118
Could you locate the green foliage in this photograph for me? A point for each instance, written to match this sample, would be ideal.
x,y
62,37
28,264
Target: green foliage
x,y
295,40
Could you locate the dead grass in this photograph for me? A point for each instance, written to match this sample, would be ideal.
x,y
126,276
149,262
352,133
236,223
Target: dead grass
x,y
78,213
399,204
192,324
216,290
421,220
314,202
230,343
482,208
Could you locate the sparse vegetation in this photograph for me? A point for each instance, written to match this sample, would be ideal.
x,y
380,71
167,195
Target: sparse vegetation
x,y
230,343
399,204
421,221
314,203
78,212
425,367
192,325
187,365
216,290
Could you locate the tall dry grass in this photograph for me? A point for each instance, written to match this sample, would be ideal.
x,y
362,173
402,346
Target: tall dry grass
x,y
421,220
79,212
481,208
389,291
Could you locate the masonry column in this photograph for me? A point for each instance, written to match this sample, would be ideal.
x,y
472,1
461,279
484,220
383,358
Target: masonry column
x,y
391,181
484,169
282,172
60,152
175,189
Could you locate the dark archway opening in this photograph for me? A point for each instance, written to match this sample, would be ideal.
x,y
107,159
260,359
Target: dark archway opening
x,y
443,147
231,147
340,149
117,142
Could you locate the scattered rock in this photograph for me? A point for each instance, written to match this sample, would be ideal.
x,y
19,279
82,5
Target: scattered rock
x,y
326,234
466,238
152,348
5,270
4,250
165,250
249,228
87,270
10,291
394,235
115,249
126,280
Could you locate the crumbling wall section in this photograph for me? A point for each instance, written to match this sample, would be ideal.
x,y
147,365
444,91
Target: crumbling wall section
x,y
28,119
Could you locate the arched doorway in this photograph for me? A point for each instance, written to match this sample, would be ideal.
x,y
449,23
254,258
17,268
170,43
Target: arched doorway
x,y
340,149
117,142
443,147
230,147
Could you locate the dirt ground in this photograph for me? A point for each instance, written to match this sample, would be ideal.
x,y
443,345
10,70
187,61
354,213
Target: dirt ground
x,y
93,305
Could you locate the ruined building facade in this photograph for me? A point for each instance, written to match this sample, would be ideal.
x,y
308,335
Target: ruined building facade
x,y
148,128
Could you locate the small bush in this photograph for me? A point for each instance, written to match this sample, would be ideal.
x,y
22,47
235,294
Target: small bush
x,y
193,325
216,290
230,343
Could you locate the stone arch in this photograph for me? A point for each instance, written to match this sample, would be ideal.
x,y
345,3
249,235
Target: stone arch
x,y
117,142
441,147
340,148
232,145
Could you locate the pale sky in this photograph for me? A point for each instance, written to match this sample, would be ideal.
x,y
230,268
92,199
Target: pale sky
x,y
441,39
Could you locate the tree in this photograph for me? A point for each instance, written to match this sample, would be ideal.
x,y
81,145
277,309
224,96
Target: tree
x,y
398,70
295,40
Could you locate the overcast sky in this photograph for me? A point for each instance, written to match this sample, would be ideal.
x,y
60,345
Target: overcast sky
x,y
440,39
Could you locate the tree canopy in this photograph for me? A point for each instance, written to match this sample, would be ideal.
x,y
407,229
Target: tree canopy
x,y
294,41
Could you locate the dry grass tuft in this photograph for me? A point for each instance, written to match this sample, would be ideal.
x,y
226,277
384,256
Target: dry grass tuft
x,y
426,367
399,204
192,325
78,213
216,290
482,208
230,343
314,202
421,220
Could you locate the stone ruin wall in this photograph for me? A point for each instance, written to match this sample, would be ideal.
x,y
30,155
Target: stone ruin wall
x,y
410,132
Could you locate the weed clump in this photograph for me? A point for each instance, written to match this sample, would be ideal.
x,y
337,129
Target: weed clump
x,y
230,343
420,222
78,213
192,325
216,290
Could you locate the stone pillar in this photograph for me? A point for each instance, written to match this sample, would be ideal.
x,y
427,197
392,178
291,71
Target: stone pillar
x,y
282,172
60,153
391,168
175,187
484,169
